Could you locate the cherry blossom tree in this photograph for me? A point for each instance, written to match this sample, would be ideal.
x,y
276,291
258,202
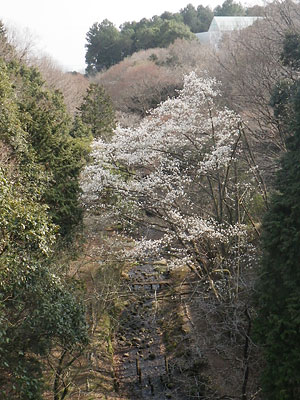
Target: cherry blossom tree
x,y
184,176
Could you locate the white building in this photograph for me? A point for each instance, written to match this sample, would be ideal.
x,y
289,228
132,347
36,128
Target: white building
x,y
221,25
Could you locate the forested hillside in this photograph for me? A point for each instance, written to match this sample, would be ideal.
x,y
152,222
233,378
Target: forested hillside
x,y
42,154
149,213
107,45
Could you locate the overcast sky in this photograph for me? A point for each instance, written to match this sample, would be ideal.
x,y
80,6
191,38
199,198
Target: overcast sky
x,y
58,27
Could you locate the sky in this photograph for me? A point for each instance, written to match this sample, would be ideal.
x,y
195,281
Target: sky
x,y
58,27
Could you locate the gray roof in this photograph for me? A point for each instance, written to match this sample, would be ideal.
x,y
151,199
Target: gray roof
x,y
220,25
225,24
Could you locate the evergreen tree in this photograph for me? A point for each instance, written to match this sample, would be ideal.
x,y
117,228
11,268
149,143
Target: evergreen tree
x,y
106,45
198,20
103,48
39,310
278,289
5,48
205,16
2,30
229,8
48,128
170,30
190,17
97,112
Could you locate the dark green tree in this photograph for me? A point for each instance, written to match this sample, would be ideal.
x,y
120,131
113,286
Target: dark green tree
x,y
97,112
190,17
205,16
277,326
39,309
103,46
106,45
291,51
6,50
147,34
229,8
169,15
159,32
43,117
2,31
198,20
170,30
126,41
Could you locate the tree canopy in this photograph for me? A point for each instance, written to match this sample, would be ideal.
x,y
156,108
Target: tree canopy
x,y
178,167
106,45
97,112
40,162
278,297
229,8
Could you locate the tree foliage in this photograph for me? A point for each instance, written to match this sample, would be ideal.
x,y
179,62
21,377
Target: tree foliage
x,y
182,184
106,45
47,126
97,112
229,8
39,167
103,46
278,324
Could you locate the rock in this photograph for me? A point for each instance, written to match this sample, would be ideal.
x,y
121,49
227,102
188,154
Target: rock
x,y
160,262
136,340
124,275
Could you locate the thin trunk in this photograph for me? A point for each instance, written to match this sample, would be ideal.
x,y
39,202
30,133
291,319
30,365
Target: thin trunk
x,y
58,372
246,356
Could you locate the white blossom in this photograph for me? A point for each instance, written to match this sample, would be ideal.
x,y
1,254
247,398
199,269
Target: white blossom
x,y
179,165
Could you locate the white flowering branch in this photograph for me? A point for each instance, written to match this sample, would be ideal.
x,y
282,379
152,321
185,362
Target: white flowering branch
x,y
181,172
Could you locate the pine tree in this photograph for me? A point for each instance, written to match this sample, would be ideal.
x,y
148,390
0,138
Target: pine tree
x,y
58,152
98,113
39,309
278,289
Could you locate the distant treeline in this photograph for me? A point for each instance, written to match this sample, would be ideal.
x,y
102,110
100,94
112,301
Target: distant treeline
x,y
107,45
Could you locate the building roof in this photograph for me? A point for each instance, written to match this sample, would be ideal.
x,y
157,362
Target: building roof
x,y
220,25
226,24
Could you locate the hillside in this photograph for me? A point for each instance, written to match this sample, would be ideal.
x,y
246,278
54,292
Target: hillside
x,y
107,45
149,218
